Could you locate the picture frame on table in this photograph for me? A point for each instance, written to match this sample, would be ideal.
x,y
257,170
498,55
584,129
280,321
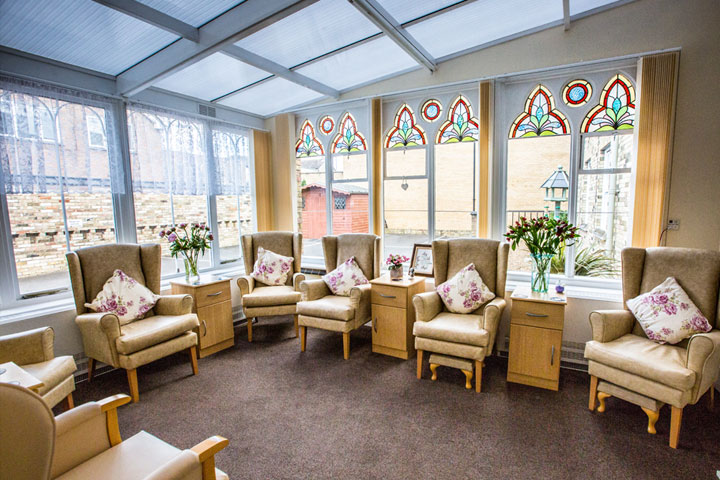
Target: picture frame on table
x,y
422,260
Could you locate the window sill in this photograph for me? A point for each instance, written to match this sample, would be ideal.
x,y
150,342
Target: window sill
x,y
605,290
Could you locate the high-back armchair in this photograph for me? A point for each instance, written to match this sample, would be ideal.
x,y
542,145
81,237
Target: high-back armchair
x,y
321,309
260,300
454,338
166,329
624,363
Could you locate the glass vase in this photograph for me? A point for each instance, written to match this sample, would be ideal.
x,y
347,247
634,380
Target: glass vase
x,y
191,271
396,273
540,274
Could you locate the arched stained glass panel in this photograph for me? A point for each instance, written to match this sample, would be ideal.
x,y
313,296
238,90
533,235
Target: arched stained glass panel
x,y
348,138
540,117
616,110
460,126
405,132
308,144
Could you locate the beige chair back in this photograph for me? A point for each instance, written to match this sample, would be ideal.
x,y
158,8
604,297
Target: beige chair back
x,y
90,268
365,247
287,244
696,270
27,434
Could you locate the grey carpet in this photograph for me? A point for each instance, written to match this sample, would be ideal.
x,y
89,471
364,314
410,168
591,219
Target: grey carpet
x,y
312,415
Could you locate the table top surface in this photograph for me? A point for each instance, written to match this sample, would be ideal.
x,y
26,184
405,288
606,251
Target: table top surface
x,y
404,282
204,280
524,294
18,376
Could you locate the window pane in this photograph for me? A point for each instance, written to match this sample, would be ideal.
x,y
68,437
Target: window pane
x,y
350,208
233,216
349,167
531,161
312,206
607,151
455,183
406,215
405,163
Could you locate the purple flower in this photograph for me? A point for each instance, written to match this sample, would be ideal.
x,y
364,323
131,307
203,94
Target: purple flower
x,y
660,299
172,237
121,310
670,308
183,225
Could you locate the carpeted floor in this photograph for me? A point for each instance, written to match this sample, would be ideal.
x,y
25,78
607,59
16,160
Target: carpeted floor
x,y
312,415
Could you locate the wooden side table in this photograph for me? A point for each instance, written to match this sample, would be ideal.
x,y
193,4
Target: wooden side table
x,y
393,315
15,374
213,305
536,330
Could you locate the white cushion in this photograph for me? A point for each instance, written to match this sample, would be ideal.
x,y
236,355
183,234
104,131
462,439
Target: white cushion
x,y
271,268
465,291
125,297
348,275
666,313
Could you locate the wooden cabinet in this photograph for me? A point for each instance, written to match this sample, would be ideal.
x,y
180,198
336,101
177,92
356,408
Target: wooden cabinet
x,y
536,330
393,315
213,306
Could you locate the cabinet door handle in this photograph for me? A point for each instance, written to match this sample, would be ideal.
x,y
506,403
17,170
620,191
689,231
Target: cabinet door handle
x,y
375,324
552,355
539,315
214,294
205,327
386,296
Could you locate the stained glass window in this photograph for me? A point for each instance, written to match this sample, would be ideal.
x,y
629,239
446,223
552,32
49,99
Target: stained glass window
x,y
460,125
405,132
577,93
431,110
326,125
308,144
616,110
348,138
540,117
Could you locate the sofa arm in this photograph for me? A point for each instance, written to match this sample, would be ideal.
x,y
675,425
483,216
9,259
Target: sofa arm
x,y
99,332
246,284
298,278
174,304
360,299
32,346
427,306
703,358
314,289
608,325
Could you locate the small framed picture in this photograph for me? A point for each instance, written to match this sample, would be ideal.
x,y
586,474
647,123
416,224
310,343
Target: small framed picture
x,y
422,260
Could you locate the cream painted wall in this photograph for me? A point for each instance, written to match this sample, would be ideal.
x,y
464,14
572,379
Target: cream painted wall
x,y
282,134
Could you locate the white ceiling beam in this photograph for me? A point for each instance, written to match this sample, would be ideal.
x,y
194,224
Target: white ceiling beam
x,y
153,17
566,14
390,27
228,28
278,70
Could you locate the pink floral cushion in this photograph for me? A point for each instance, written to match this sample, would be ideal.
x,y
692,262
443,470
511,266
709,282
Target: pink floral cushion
x,y
666,313
271,268
125,297
465,291
345,277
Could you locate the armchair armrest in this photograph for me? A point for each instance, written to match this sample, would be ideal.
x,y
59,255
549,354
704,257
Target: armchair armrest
x,y
298,278
360,299
427,306
703,358
174,304
32,346
314,289
492,314
246,284
206,451
608,325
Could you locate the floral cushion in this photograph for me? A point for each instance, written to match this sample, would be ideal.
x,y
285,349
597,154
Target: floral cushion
x,y
271,268
666,313
345,277
465,291
125,297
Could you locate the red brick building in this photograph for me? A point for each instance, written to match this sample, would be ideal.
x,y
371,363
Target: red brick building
x,y
350,210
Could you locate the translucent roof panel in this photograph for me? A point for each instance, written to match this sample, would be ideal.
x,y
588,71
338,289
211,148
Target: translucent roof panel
x,y
580,6
212,77
192,11
366,62
481,22
404,11
270,97
315,30
79,32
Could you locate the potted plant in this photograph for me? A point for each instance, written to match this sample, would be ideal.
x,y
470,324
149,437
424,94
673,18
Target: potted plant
x,y
191,241
543,236
395,265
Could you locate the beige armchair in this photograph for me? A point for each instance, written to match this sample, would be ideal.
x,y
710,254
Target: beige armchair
x,y
85,443
455,338
166,329
33,351
624,363
321,309
260,300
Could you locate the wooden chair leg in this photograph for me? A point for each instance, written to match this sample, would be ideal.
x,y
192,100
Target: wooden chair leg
x,y
249,327
303,338
675,424
602,396
69,404
419,363
478,375
91,368
132,380
295,317
433,369
593,392
192,351
711,399
346,345
652,419
468,378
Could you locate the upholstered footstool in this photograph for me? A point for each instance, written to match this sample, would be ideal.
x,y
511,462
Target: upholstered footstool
x,y
462,364
650,406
